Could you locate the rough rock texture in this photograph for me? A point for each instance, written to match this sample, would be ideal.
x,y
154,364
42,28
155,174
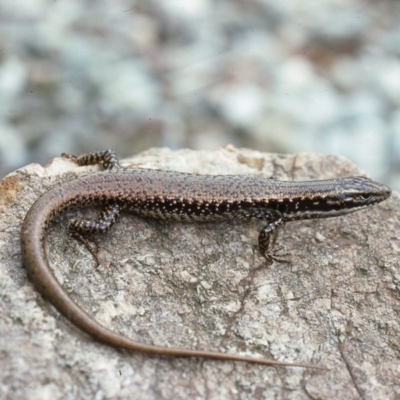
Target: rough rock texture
x,y
335,302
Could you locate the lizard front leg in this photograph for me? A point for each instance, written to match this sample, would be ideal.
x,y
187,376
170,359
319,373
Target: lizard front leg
x,y
264,238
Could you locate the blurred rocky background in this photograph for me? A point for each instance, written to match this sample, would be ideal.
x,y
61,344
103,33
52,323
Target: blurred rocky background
x,y
278,76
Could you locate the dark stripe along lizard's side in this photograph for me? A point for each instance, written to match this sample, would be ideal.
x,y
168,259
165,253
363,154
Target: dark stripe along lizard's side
x,y
182,197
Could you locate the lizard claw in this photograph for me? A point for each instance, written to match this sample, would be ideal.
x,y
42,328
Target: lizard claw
x,y
277,256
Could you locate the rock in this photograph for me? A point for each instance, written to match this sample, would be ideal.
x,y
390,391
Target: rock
x,y
334,302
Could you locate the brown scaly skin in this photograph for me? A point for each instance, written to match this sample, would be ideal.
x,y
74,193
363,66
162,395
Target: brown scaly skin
x,y
182,197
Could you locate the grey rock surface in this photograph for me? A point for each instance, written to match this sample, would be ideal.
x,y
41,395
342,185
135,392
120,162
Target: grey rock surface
x,y
335,302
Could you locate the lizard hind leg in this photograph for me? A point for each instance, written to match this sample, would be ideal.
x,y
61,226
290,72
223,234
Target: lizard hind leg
x,y
81,229
107,158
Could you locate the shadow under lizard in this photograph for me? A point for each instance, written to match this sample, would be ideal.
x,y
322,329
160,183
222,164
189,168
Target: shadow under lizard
x,y
182,197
